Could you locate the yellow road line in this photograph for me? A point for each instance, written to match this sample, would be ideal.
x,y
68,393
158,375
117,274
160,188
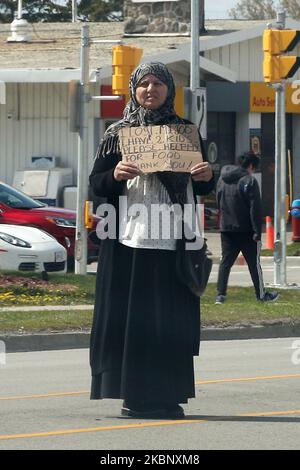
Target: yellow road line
x,y
143,425
272,413
198,382
45,395
248,379
101,428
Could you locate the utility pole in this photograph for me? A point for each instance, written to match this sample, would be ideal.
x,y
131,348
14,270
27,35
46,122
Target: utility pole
x,y
82,168
74,11
19,9
195,61
280,176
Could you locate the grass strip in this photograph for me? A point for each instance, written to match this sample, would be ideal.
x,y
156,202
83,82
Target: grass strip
x,y
45,321
241,307
292,249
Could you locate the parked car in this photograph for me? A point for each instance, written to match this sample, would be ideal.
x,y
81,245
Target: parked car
x,y
30,249
19,209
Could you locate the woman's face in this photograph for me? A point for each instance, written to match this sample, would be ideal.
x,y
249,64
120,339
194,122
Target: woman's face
x,y
151,93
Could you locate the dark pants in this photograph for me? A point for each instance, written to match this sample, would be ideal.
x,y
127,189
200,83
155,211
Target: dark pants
x,y
232,244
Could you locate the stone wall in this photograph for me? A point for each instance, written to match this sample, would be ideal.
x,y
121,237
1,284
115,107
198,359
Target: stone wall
x,y
157,17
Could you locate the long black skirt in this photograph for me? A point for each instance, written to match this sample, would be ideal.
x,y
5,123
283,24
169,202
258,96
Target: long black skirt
x,y
146,328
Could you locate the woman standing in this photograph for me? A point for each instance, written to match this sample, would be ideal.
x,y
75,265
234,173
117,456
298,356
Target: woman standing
x,y
146,326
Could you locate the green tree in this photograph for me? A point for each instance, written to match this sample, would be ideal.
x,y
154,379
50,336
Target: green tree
x,y
7,8
35,11
50,10
45,10
101,10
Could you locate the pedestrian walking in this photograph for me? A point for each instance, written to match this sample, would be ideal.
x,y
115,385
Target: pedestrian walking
x,y
146,325
239,203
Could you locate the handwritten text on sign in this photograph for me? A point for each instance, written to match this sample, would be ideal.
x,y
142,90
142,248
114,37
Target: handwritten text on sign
x,y
161,148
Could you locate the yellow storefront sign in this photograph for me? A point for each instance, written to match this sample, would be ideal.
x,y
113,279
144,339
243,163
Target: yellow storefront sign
x,y
262,98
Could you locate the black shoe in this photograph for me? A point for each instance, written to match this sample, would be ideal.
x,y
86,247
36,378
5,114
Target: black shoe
x,y
220,299
158,413
270,297
174,412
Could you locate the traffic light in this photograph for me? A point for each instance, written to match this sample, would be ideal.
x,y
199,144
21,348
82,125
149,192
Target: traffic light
x,y
277,66
125,60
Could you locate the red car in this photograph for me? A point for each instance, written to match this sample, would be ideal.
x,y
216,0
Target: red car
x,y
19,209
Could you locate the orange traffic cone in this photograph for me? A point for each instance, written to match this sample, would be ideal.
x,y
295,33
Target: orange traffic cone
x,y
269,234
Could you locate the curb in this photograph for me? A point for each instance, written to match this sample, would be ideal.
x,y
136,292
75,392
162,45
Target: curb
x,y
45,342
79,340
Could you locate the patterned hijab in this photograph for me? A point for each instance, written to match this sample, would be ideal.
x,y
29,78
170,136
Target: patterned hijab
x,y
135,115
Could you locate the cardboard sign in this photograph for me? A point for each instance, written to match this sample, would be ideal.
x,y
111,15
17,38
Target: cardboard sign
x,y
173,147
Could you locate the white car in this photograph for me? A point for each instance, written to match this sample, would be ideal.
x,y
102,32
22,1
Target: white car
x,y
25,248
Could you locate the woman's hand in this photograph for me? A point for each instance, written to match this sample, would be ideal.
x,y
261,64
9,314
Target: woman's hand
x,y
202,172
125,171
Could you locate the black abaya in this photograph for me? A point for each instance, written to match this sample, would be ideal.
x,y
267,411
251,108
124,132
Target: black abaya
x,y
146,328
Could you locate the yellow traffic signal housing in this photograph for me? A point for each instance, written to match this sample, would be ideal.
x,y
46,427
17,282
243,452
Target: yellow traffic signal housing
x,y
277,41
125,60
277,67
88,214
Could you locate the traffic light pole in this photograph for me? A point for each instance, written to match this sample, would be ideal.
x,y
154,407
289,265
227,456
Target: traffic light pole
x,y
82,168
280,188
74,11
280,176
80,252
278,66
195,61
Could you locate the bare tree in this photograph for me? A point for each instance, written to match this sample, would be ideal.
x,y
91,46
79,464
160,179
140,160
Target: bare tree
x,y
253,10
263,9
292,7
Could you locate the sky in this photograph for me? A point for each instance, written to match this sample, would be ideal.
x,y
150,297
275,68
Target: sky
x,y
218,8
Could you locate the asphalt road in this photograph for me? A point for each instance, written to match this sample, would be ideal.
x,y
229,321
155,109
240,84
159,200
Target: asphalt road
x,y
247,397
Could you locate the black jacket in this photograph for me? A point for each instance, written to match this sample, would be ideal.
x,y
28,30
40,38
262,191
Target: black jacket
x,y
104,185
239,201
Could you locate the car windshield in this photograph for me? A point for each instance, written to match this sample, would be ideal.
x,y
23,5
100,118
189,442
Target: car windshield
x,y
17,200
